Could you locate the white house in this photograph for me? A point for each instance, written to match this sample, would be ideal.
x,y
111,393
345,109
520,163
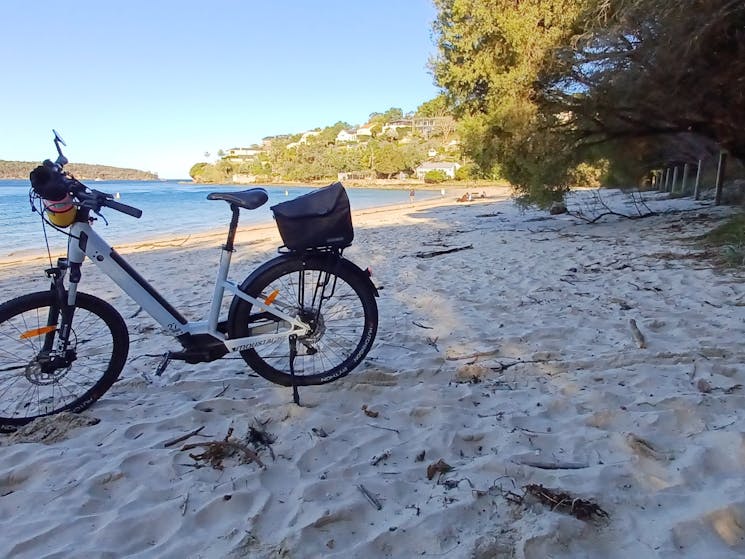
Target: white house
x,y
447,167
243,152
346,136
303,139
393,126
365,131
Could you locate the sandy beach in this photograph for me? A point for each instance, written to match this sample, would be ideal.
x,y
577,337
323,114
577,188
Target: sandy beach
x,y
539,387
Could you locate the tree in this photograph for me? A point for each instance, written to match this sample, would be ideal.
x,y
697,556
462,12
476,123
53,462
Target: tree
x,y
644,68
390,115
545,86
388,159
437,107
197,169
490,53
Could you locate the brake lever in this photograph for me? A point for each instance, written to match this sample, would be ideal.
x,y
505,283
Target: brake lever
x,y
99,214
95,207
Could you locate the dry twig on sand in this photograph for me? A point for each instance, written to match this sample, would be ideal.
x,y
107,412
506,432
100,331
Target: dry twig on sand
x,y
562,502
216,451
182,438
597,208
544,465
439,252
439,467
638,336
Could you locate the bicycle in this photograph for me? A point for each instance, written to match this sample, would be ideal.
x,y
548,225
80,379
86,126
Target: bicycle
x,y
306,317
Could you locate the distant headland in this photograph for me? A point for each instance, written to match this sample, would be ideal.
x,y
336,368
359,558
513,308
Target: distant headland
x,y
82,171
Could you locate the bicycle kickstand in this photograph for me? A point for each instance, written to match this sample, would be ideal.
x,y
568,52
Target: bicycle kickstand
x,y
164,361
293,353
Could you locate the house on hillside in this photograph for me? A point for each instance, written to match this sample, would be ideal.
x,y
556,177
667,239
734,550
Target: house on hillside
x,y
432,125
447,167
346,136
393,127
304,138
242,154
365,132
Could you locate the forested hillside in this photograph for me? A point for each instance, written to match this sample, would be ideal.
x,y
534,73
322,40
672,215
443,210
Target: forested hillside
x,y
82,171
390,145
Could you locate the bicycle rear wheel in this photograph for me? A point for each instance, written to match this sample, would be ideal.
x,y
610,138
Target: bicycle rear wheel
x,y
329,294
39,378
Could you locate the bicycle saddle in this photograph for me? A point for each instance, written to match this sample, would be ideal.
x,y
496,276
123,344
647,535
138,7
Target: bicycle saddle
x,y
249,199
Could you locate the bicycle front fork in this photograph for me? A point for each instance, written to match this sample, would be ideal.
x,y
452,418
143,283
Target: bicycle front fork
x,y
63,304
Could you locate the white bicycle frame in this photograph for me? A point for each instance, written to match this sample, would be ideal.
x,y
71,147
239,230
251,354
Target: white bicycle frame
x,y
84,241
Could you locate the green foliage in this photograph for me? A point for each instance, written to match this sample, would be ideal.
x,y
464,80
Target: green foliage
x,y
732,231
543,86
318,158
466,172
435,176
588,175
729,238
390,115
539,197
197,170
490,53
436,107
388,159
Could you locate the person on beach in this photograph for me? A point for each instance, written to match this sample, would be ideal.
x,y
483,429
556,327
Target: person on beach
x,y
411,196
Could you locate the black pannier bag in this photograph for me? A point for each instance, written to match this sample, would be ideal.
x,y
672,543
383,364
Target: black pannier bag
x,y
321,218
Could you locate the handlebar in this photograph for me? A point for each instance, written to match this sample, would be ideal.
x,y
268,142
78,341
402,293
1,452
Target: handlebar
x,y
51,183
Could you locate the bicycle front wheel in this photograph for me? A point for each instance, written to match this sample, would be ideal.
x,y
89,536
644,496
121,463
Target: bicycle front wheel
x,y
331,295
37,376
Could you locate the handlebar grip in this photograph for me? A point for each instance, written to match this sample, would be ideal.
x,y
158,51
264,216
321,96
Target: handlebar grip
x,y
124,208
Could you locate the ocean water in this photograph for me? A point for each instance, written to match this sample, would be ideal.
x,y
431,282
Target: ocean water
x,y
169,208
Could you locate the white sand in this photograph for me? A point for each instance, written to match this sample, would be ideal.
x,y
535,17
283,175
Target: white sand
x,y
517,350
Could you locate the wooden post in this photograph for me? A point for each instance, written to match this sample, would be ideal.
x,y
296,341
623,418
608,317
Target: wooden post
x,y
684,184
721,168
697,186
675,179
667,178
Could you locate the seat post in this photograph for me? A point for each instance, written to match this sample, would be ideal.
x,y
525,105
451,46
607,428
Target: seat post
x,y
228,246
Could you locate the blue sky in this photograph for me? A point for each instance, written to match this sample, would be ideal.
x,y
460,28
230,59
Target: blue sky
x,y
153,84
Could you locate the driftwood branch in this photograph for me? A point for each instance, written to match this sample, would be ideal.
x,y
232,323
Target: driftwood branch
x,y
440,252
552,465
373,501
182,438
598,209
637,334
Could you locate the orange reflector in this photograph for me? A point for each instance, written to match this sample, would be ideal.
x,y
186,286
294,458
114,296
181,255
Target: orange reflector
x,y
271,297
37,332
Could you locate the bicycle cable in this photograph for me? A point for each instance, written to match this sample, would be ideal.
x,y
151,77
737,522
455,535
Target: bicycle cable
x,y
33,199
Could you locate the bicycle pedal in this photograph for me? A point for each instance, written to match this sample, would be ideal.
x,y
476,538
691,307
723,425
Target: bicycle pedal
x,y
165,360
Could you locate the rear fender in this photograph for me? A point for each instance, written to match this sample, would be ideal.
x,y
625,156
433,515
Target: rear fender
x,y
310,256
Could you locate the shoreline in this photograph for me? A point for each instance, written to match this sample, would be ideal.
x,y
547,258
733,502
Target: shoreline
x,y
216,235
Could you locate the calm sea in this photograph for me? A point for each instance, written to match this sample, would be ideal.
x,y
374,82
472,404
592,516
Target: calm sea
x,y
168,208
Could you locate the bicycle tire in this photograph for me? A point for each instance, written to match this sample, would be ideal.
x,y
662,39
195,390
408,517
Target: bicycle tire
x,y
344,330
98,337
